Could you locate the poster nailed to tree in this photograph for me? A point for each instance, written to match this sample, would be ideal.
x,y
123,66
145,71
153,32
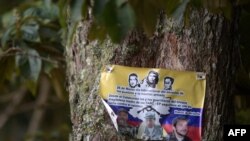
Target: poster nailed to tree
x,y
154,103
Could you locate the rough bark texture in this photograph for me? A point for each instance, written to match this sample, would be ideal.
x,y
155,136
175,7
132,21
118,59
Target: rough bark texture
x,y
209,45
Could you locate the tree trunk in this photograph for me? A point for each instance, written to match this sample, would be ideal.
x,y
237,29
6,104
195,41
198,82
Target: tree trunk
x,y
208,45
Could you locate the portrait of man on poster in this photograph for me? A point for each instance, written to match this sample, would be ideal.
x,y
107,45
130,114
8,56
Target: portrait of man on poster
x,y
168,82
151,80
122,121
180,130
133,81
152,131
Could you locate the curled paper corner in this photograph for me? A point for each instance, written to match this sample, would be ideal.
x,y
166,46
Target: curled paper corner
x,y
112,115
200,76
109,68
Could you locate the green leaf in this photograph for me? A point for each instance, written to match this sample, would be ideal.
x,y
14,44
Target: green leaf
x,y
48,3
121,3
33,11
97,32
48,67
35,64
32,86
186,15
22,65
114,18
75,17
29,5
85,9
178,13
62,4
117,20
76,11
172,5
29,65
126,17
99,6
7,36
30,32
146,14
8,19
46,11
49,10
8,67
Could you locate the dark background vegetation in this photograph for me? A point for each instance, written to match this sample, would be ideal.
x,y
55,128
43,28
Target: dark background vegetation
x,y
35,33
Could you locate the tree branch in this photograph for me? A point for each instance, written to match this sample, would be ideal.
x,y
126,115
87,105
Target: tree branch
x,y
17,98
39,111
15,51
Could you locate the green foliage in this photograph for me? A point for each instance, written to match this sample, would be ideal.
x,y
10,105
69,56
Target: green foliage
x,y
147,18
30,42
31,63
114,18
30,32
117,17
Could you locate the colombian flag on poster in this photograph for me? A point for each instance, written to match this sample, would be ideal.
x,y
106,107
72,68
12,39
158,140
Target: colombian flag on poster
x,y
154,103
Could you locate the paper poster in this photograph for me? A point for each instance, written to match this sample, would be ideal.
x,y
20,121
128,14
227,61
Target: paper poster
x,y
154,103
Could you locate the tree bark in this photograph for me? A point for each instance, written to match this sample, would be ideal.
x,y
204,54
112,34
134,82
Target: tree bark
x,y
209,45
